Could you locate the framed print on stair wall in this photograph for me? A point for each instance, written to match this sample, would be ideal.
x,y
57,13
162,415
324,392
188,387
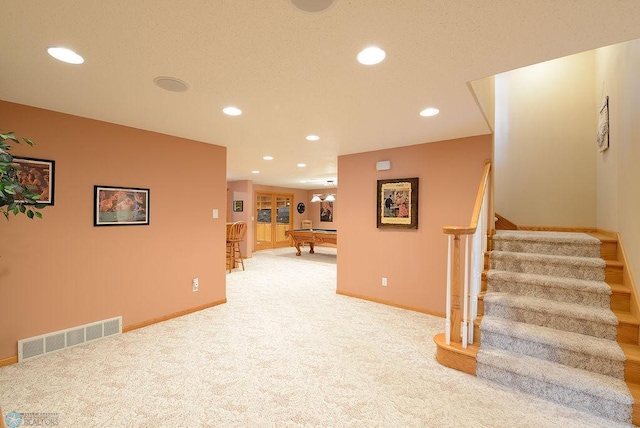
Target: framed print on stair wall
x,y
120,206
602,138
397,203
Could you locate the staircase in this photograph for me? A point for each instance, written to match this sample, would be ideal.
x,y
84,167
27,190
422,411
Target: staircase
x,y
554,320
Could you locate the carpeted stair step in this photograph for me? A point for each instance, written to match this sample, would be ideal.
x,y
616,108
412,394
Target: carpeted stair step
x,y
602,395
586,268
571,349
551,243
568,290
597,322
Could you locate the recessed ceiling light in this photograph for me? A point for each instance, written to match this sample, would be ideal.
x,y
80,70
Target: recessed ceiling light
x,y
312,6
313,137
370,56
302,165
267,157
255,172
65,55
170,84
429,112
232,111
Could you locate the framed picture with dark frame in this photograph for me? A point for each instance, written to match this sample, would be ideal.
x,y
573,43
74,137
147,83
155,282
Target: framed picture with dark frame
x,y
37,175
238,206
120,206
398,203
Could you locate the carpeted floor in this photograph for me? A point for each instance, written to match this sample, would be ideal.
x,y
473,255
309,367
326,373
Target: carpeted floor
x,y
285,351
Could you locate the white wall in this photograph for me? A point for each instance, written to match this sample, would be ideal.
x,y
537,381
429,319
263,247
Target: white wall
x,y
484,91
545,150
618,168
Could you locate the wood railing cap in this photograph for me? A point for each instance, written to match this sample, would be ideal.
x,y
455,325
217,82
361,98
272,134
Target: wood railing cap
x,y
471,229
458,230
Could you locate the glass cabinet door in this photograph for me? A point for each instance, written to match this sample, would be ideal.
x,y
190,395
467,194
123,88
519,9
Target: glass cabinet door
x,y
272,220
263,220
283,206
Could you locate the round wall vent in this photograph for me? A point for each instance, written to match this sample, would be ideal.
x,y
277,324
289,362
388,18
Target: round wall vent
x,y
171,84
313,6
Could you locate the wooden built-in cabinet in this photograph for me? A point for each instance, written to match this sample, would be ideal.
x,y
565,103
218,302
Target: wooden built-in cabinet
x,y
273,217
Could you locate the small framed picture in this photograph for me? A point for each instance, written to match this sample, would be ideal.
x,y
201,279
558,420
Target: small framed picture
x,y
398,203
120,206
326,211
238,206
37,175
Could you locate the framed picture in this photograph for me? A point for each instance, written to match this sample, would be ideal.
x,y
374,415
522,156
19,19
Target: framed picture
x,y
120,206
602,139
238,206
398,203
37,175
326,211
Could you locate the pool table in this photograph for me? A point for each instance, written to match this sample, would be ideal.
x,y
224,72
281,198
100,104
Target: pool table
x,y
312,237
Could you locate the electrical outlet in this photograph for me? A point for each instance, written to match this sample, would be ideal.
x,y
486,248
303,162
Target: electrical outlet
x,y
384,281
195,283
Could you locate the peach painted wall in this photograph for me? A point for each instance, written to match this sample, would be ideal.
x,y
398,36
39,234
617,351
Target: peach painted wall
x,y
61,271
414,261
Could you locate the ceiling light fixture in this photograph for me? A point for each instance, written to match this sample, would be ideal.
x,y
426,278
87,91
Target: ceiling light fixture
x,y
316,198
255,172
429,112
170,84
313,137
313,6
65,55
232,111
302,165
267,157
330,198
371,56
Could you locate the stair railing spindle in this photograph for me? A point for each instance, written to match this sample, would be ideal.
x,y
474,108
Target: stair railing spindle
x,y
467,269
447,324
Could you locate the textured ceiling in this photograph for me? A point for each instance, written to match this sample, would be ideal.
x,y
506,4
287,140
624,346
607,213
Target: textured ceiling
x,y
292,73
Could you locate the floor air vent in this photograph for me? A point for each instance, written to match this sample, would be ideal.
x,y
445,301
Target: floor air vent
x,y
63,339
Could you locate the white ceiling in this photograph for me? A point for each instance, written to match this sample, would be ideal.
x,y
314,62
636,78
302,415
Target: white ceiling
x,y
292,73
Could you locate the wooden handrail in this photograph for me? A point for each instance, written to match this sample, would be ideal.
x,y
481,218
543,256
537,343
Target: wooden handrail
x,y
458,296
471,229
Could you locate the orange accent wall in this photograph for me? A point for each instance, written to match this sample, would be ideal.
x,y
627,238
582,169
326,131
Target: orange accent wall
x,y
61,271
414,261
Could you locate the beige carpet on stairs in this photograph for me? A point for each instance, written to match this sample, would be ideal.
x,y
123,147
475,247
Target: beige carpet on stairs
x,y
548,329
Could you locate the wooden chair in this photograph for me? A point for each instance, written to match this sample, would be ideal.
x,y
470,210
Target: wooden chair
x,y
235,235
306,224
